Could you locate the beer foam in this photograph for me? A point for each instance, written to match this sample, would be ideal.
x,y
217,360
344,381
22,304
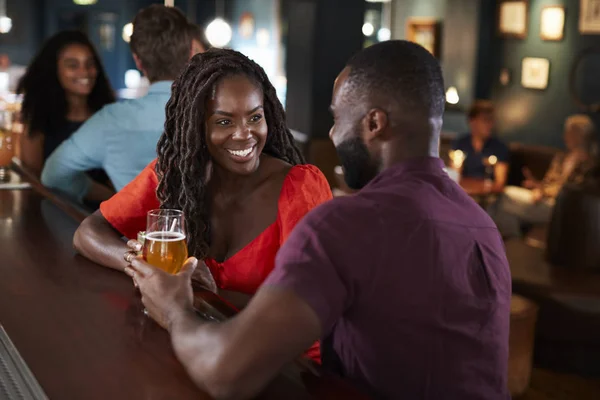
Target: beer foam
x,y
165,236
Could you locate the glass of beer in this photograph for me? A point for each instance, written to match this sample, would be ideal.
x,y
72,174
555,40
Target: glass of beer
x,y
7,150
165,240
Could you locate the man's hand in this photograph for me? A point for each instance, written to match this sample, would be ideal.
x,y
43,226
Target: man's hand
x,y
530,182
166,297
537,195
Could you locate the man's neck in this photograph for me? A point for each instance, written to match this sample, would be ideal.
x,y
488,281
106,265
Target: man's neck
x,y
477,142
396,154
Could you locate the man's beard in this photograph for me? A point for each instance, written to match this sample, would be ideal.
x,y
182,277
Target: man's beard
x,y
359,167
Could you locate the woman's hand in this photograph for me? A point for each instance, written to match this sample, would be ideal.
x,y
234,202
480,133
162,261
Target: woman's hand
x,y
203,276
134,248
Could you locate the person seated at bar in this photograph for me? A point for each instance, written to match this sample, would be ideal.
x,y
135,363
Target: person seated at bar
x,y
229,162
485,157
406,282
122,137
64,86
521,207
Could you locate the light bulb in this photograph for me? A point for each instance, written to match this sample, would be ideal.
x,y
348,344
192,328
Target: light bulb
x,y
127,32
132,78
218,33
368,29
5,24
452,95
384,34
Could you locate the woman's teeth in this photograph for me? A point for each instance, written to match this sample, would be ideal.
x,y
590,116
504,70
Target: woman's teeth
x,y
241,153
83,81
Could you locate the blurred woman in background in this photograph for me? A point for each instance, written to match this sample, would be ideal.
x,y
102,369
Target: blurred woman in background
x,y
533,203
63,86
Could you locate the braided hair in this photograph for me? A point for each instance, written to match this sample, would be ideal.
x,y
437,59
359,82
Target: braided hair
x,y
183,156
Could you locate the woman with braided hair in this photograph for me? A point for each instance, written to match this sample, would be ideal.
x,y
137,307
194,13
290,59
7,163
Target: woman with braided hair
x,y
229,162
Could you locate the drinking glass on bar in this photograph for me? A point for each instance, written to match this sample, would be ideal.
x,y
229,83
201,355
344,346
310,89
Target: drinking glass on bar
x,y
165,240
7,149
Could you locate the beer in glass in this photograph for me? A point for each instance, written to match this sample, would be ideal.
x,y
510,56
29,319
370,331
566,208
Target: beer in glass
x,y
165,245
7,150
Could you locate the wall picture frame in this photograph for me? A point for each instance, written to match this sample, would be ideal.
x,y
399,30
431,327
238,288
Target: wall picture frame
x,y
552,23
535,73
513,18
426,32
589,17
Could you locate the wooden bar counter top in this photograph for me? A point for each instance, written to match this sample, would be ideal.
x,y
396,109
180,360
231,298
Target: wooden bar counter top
x,y
80,327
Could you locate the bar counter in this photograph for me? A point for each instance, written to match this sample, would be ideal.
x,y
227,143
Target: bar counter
x,y
80,327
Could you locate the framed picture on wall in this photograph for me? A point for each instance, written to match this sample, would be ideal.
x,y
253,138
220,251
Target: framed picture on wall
x,y
512,18
552,23
589,17
426,32
535,73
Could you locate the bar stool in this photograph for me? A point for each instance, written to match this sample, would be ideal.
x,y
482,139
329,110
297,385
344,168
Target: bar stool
x,y
523,316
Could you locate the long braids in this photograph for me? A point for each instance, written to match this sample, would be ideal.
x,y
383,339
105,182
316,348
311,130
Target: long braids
x,y
183,155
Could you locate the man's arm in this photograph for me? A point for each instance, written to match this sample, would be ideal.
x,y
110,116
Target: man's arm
x,y
32,151
97,240
83,151
238,358
501,175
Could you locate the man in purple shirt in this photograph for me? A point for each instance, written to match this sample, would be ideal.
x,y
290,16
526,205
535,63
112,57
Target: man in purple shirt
x,y
406,282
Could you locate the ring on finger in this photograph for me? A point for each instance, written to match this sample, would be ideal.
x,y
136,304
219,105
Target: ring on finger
x,y
129,256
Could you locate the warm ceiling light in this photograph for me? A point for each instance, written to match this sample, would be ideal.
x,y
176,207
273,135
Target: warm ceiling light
x,y
219,33
5,24
127,32
368,29
85,2
452,95
384,34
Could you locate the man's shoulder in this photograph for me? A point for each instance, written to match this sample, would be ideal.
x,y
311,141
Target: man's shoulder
x,y
462,140
134,113
494,141
345,210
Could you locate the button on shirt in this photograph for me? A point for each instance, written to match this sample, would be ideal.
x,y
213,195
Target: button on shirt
x,y
473,166
411,284
121,138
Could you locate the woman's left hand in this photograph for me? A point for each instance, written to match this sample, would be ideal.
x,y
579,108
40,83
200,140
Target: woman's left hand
x,y
204,277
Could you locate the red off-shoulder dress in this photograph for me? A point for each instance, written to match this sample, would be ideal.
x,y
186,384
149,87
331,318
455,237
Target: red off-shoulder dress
x,y
304,188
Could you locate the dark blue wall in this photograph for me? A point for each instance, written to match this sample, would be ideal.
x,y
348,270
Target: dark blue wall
x,y
22,41
534,116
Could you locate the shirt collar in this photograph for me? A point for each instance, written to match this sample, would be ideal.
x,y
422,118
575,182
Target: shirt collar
x,y
418,164
160,87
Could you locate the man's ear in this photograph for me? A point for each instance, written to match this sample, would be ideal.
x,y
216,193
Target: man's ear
x,y
138,64
375,125
196,48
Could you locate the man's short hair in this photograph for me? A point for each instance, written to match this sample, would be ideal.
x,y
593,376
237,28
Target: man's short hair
x,y
162,41
402,71
480,107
